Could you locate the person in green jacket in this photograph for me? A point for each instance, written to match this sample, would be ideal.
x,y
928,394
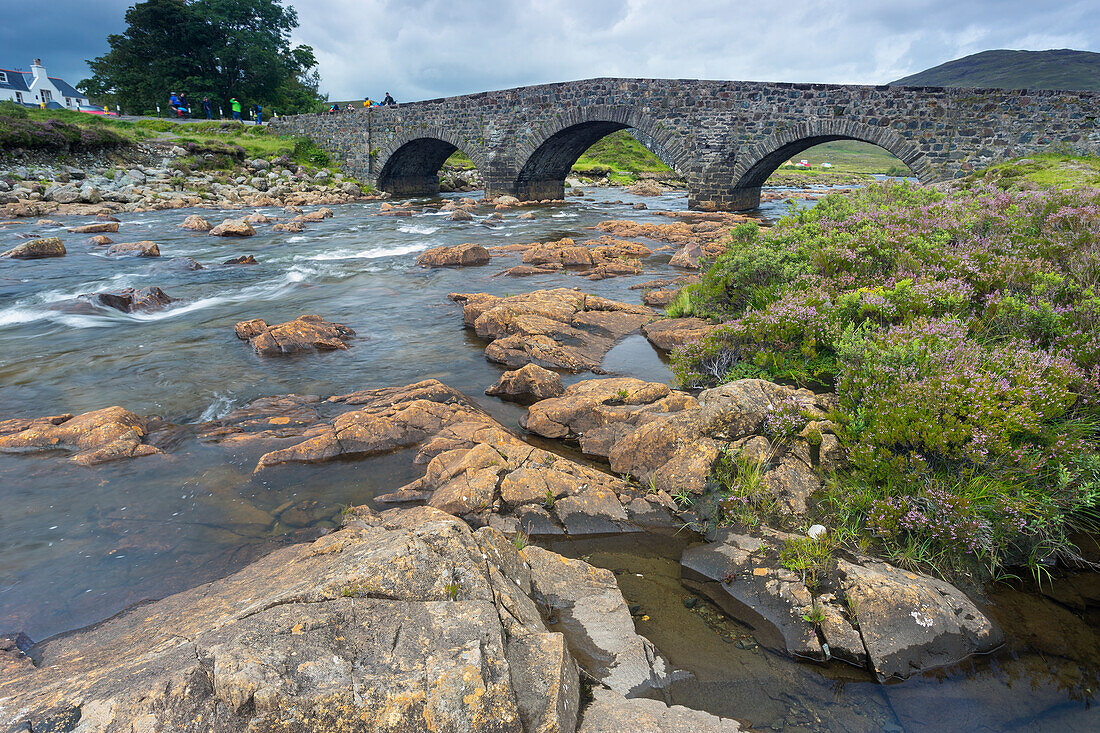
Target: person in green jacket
x,y
236,109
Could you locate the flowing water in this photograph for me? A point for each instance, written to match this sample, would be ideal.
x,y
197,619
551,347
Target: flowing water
x,y
78,545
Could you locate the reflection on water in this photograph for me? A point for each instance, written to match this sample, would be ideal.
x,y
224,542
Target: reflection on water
x,y
1046,679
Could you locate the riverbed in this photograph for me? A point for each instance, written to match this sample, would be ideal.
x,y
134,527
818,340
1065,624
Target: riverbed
x,y
78,545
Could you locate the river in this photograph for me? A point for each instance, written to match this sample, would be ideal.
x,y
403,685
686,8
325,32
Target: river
x,y
78,545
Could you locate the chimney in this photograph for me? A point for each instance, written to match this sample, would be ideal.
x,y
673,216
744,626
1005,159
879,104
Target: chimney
x,y
37,70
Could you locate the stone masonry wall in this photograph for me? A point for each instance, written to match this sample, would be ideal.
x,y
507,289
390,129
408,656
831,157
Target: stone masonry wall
x,y
724,137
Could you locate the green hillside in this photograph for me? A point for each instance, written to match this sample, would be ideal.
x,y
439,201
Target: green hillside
x,y
1003,69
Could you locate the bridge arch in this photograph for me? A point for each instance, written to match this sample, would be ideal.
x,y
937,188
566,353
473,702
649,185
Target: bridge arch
x,y
756,162
409,163
545,155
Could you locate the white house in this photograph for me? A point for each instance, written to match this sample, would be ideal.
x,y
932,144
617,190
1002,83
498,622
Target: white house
x,y
35,88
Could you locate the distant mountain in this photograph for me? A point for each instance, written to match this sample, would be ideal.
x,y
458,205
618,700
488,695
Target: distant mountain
x,y
1057,69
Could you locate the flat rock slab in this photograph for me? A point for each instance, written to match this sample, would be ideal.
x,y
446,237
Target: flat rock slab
x,y
110,434
560,328
101,227
406,620
305,333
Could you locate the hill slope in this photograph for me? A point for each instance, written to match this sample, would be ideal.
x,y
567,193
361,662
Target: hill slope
x,y
1003,69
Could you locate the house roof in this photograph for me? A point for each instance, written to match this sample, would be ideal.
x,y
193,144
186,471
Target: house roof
x,y
65,89
16,81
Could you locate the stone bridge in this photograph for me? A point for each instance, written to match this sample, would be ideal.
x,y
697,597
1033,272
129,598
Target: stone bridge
x,y
724,137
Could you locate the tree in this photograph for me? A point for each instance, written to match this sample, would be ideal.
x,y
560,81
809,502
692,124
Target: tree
x,y
207,48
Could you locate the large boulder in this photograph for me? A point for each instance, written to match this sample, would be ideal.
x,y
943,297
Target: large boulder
x,y
134,249
529,383
95,437
36,249
406,620
561,328
129,300
461,255
893,622
305,333
233,228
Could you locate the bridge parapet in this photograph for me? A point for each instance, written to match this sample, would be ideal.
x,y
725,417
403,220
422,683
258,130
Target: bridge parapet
x,y
724,137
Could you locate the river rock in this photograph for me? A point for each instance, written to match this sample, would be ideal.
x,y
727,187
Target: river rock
x,y
526,270
242,260
739,408
179,263
560,328
529,383
129,300
585,408
196,223
610,712
659,298
96,228
894,622
588,608
233,228
688,257
305,333
134,249
405,620
645,188
670,333
100,240
95,437
289,226
36,249
461,255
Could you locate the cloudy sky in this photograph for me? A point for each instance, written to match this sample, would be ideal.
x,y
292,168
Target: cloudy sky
x,y
419,49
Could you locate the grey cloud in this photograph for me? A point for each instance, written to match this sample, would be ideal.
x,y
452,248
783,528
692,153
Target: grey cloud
x,y
428,48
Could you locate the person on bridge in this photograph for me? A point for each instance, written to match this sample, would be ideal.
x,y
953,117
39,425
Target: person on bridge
x,y
207,108
388,100
368,103
236,107
259,114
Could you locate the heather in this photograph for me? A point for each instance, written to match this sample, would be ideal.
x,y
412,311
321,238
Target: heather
x,y
961,334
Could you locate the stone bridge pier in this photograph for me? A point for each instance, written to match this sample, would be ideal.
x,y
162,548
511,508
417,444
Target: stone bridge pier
x,y
724,138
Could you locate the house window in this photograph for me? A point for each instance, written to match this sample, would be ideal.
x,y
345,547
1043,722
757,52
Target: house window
x,y
68,101
45,95
3,78
19,97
